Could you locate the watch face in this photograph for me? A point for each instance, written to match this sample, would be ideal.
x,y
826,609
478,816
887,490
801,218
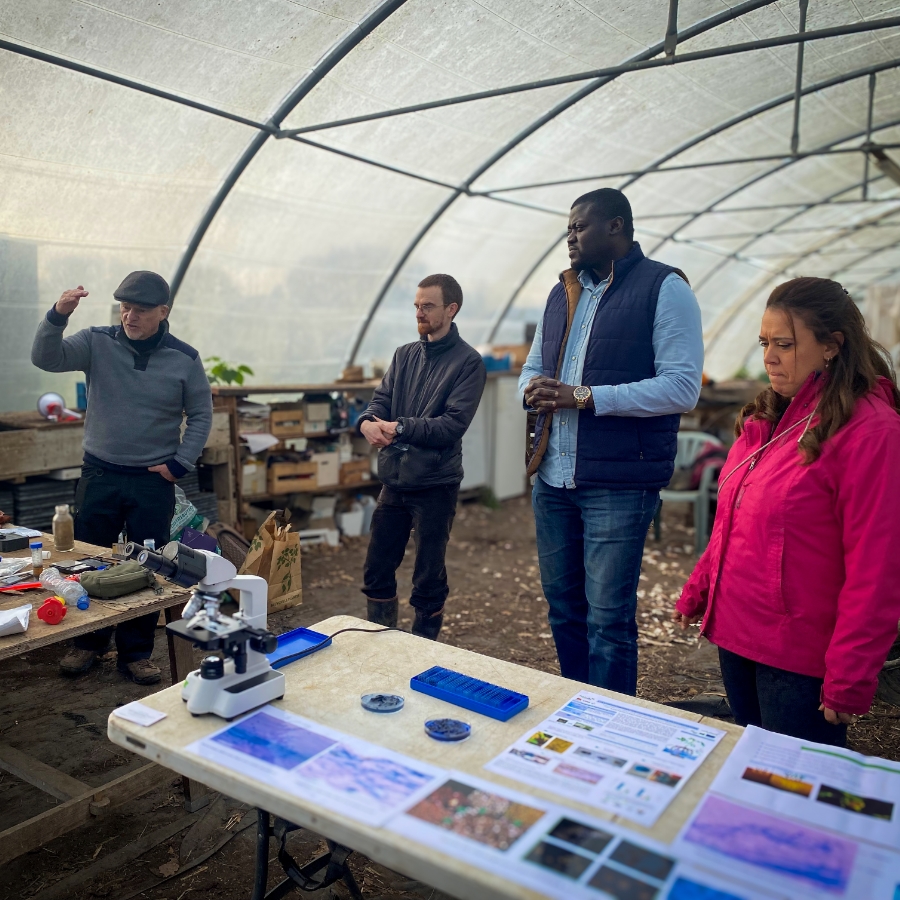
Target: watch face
x,y
581,393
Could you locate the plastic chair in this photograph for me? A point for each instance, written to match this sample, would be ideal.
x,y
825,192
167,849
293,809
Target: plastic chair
x,y
690,443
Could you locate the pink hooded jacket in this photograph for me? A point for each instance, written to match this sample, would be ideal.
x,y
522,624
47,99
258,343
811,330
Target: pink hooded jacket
x,y
802,571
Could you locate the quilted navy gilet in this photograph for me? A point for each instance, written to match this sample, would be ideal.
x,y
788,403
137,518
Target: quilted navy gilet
x,y
617,452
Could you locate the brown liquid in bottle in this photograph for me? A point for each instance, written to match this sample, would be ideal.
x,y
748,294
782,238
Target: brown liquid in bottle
x,y
63,529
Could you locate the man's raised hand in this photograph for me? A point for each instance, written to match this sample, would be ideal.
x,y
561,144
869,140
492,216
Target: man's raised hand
x,y
69,300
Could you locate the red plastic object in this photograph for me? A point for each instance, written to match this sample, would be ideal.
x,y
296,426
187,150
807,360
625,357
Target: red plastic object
x,y
52,611
22,586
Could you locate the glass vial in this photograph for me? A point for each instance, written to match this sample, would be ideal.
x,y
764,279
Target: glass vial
x,y
37,557
63,529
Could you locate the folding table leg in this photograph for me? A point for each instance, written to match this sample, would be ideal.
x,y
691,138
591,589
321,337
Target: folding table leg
x,y
181,661
318,873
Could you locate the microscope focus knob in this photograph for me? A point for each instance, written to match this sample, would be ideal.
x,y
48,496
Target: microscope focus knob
x,y
212,667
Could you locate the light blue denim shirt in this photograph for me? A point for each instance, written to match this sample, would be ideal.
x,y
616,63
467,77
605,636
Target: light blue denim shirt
x,y
678,351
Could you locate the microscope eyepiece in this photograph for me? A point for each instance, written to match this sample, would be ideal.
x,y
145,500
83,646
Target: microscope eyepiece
x,y
176,563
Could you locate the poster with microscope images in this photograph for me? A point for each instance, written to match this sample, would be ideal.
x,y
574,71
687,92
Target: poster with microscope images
x,y
825,786
318,764
616,756
553,851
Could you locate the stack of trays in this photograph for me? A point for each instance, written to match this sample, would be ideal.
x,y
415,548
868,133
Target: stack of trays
x,y
35,502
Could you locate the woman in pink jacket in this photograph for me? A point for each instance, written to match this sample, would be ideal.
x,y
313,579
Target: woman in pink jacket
x,y
800,585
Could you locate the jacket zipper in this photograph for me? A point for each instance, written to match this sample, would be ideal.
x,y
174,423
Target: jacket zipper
x,y
735,505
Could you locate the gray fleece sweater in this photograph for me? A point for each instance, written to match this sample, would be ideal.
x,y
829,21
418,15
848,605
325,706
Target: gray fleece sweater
x,y
135,400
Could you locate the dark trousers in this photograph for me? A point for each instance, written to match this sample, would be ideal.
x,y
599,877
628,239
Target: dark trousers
x,y
590,542
777,700
141,505
429,512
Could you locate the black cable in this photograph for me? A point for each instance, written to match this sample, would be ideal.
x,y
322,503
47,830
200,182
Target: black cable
x,y
301,653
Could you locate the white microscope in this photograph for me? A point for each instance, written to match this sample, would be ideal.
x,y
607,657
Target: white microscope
x,y
244,679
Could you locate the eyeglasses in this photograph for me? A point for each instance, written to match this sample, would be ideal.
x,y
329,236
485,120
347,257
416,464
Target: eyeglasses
x,y
427,308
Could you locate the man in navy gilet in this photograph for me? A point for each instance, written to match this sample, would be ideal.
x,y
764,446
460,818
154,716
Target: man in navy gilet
x,y
615,360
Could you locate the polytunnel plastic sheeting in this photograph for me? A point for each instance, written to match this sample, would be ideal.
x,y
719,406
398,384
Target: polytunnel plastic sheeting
x,y
306,247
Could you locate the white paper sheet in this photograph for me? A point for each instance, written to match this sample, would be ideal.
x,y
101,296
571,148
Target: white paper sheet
x,y
348,775
828,786
140,714
257,442
552,850
14,621
616,756
22,532
789,857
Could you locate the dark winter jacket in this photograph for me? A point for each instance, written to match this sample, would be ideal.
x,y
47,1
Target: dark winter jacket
x,y
432,390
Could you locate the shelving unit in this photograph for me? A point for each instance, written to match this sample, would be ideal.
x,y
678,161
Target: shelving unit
x,y
229,398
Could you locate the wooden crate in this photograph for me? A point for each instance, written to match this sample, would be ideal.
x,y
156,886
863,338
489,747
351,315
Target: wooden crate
x,y
293,477
286,423
357,471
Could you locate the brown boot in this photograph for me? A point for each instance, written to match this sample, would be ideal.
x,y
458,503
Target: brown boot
x,y
382,612
76,661
141,671
428,625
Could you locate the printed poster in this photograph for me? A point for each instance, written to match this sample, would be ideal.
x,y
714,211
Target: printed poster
x,y
616,756
308,760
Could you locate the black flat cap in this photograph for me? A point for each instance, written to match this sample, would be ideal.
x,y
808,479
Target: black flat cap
x,y
145,288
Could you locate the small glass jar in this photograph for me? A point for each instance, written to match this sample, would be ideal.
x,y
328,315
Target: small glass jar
x,y
37,557
63,529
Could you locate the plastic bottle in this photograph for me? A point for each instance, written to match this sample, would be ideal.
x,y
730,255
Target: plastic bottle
x,y
71,591
37,556
63,529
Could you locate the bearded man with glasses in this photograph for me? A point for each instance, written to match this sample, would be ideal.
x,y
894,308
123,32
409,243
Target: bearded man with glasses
x,y
417,419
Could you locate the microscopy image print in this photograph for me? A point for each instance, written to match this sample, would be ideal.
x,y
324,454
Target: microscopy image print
x,y
566,862
489,819
273,741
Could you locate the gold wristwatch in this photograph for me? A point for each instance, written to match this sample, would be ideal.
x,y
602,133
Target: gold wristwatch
x,y
581,395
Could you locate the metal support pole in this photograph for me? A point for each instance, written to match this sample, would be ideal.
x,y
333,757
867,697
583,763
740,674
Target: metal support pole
x,y
798,86
672,29
865,189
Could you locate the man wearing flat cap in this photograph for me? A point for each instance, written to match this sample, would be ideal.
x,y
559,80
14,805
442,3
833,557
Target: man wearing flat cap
x,y
141,381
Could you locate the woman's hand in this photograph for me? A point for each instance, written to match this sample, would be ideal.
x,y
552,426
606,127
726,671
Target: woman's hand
x,y
833,717
685,621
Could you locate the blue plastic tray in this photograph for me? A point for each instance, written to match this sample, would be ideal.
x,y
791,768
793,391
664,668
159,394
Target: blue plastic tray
x,y
294,645
469,693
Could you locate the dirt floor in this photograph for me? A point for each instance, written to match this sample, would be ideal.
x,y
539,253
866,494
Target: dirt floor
x,y
153,849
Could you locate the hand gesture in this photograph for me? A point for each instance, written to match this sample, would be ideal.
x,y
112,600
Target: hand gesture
x,y
684,621
163,469
548,395
833,717
69,300
378,432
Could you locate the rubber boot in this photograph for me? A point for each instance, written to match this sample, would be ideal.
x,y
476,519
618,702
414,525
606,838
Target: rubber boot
x,y
427,625
382,612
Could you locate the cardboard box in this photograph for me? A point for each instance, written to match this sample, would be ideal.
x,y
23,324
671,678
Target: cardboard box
x,y
286,423
292,477
357,471
329,471
317,412
311,426
253,477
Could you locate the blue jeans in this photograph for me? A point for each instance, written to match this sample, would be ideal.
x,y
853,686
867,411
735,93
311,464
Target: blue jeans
x,y
590,542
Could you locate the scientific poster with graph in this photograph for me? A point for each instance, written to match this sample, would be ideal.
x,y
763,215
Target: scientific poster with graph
x,y
828,786
308,760
557,852
616,756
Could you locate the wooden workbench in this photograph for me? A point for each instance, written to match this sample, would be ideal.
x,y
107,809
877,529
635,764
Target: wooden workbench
x,y
326,688
79,802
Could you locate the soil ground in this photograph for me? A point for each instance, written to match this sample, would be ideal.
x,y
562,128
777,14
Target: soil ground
x,y
149,847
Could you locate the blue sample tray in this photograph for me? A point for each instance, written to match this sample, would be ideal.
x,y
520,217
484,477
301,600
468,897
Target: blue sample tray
x,y
294,645
469,693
